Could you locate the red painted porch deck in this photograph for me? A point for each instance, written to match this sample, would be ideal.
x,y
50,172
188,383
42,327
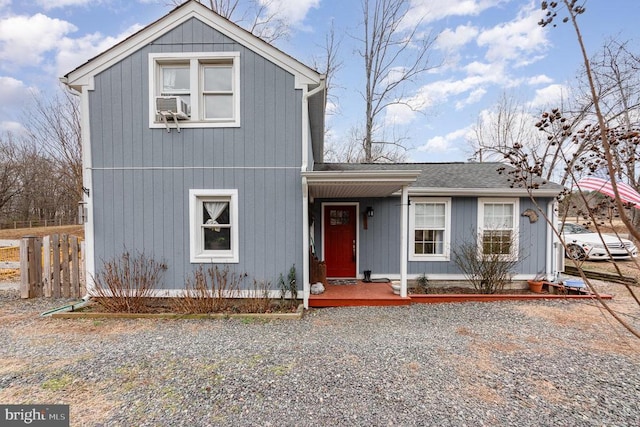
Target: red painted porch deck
x,y
360,294
381,294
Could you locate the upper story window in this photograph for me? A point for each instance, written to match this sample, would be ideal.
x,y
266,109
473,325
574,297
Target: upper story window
x,y
430,229
498,226
207,84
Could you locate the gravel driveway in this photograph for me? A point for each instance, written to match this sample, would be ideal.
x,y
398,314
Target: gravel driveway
x,y
543,363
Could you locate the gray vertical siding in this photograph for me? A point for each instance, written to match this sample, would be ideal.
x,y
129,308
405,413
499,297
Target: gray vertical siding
x,y
380,244
142,176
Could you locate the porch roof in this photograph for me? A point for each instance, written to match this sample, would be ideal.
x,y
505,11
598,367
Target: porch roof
x,y
358,183
439,179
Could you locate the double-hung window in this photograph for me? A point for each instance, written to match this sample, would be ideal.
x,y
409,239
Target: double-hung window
x,y
498,224
207,83
430,229
213,218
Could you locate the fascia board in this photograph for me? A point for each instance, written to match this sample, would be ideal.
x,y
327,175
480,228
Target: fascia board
x,y
83,75
484,192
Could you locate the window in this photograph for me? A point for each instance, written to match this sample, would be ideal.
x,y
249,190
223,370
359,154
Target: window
x,y
208,83
213,225
498,225
430,229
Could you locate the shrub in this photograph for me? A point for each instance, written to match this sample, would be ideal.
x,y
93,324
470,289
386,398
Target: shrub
x,y
209,291
126,283
258,299
422,284
487,272
288,287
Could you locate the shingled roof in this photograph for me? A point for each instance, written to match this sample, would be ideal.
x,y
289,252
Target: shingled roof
x,y
456,175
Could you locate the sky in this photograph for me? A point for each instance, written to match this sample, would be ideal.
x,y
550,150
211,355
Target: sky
x,y
484,49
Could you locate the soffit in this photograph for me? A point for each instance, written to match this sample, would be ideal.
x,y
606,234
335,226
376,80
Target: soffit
x,y
342,185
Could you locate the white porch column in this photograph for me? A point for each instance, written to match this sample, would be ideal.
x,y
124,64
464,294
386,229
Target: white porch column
x,y
306,291
404,229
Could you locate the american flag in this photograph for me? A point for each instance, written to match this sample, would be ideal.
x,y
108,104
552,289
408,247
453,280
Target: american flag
x,y
628,194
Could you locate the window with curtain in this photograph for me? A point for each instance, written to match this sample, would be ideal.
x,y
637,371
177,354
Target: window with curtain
x,y
498,226
206,82
214,225
429,225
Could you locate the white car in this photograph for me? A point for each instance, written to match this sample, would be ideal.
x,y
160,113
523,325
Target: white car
x,y
583,244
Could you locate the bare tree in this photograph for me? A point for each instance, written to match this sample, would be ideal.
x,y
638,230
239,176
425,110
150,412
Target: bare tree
x,y
497,129
10,187
353,151
395,55
329,63
53,125
255,16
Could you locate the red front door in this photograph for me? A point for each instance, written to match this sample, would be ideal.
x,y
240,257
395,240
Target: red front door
x,y
340,240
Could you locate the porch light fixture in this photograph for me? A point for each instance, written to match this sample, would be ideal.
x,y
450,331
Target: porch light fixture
x,y
370,212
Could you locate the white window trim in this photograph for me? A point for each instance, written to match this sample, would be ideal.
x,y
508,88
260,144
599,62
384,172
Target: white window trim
x,y
197,253
516,223
194,58
446,255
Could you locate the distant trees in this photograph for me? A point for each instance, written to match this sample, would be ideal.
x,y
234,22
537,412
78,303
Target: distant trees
x,y
41,167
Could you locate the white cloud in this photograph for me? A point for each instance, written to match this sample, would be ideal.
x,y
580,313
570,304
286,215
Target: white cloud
x,y
474,97
540,79
53,4
440,92
25,39
75,52
454,39
442,144
11,90
515,41
549,96
4,3
399,114
14,95
11,126
332,108
434,10
292,11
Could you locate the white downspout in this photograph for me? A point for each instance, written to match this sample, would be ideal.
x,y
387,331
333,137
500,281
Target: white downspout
x,y
404,227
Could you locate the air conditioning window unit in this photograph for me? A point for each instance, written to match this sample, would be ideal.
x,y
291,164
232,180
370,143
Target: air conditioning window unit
x,y
172,106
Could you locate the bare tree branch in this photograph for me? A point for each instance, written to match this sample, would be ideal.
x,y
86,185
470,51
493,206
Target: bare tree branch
x,y
394,56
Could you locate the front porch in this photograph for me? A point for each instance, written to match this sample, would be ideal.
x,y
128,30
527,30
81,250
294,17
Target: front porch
x,y
356,295
362,294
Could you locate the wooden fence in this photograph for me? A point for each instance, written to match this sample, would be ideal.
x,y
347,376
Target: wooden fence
x,y
51,266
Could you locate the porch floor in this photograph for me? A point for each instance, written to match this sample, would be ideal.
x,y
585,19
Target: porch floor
x,y
360,294
380,294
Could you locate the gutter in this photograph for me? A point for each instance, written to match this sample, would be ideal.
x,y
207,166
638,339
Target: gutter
x,y
494,192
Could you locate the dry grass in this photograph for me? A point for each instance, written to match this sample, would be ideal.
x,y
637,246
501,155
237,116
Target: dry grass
x,y
608,335
89,405
18,233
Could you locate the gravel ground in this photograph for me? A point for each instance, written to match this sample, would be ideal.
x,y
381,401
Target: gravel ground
x,y
513,364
